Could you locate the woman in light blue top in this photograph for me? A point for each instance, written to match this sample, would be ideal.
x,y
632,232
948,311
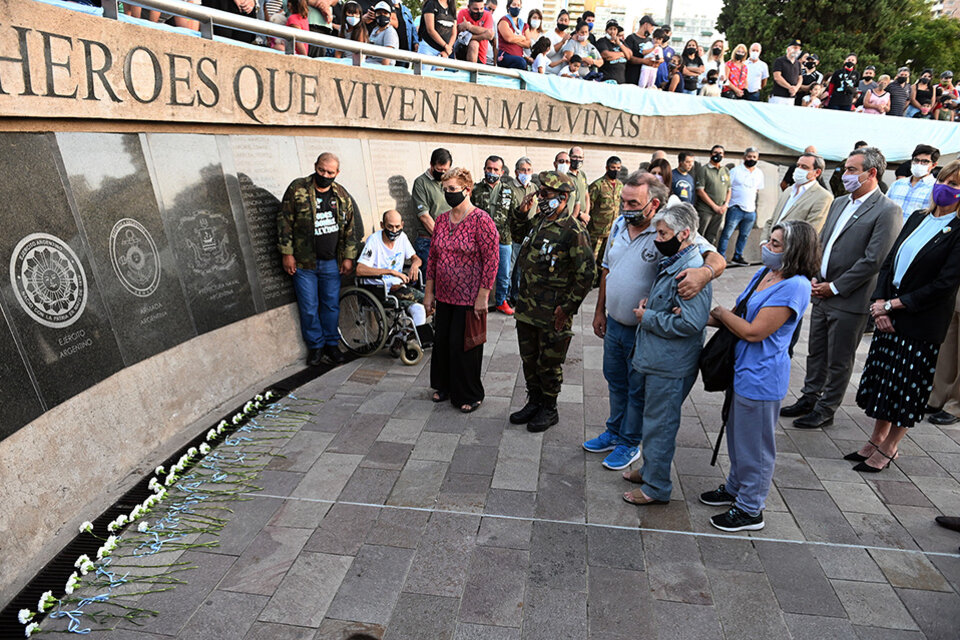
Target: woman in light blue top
x,y
762,370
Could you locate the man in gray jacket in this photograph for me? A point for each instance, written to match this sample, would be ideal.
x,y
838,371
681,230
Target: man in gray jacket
x,y
859,231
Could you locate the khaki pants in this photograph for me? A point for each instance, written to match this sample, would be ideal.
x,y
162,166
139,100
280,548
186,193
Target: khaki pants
x,y
946,383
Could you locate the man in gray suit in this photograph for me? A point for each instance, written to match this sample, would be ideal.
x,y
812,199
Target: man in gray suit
x,y
806,200
859,232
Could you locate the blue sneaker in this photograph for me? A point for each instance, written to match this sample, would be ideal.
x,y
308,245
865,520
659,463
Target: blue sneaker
x,y
606,441
622,457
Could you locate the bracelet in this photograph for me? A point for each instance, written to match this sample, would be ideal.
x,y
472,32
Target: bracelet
x,y
713,273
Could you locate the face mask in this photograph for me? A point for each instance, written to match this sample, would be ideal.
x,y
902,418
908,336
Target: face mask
x,y
900,80
513,11
455,198
635,218
563,167
711,81
535,23
689,51
749,163
716,51
924,80
383,21
612,174
716,158
392,235
437,175
851,182
868,78
562,27
800,176
668,247
323,182
809,64
849,65
476,15
575,164
581,38
771,259
738,56
944,195
548,207
353,20
754,55
523,179
589,26
491,177
918,170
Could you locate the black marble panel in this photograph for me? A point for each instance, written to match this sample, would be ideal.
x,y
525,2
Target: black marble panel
x,y
199,222
49,288
121,220
19,402
264,166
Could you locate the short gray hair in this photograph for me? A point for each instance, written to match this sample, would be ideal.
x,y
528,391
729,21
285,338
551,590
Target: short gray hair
x,y
872,159
752,150
679,217
522,160
655,188
818,162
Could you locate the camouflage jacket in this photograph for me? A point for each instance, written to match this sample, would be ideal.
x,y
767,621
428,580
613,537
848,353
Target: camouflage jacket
x,y
555,268
296,219
481,195
604,206
505,203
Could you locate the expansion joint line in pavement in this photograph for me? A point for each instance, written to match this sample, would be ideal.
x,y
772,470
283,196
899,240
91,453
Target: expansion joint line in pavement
x,y
598,525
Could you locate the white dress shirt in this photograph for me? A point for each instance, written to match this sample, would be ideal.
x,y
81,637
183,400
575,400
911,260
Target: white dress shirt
x,y
842,221
797,191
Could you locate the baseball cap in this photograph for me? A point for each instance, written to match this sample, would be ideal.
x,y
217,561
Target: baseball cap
x,y
648,20
612,23
795,43
382,6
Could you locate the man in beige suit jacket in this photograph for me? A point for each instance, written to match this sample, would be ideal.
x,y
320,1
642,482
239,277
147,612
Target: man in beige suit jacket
x,y
806,200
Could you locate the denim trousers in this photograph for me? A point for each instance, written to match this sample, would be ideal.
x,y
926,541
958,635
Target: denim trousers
x,y
503,274
737,220
511,62
752,96
623,383
663,398
318,300
753,450
421,247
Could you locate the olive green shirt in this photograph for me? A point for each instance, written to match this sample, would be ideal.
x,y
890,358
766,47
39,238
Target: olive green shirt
x,y
580,178
428,198
716,182
604,206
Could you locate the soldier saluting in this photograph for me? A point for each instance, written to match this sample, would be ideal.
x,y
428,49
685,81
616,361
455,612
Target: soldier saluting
x,y
553,274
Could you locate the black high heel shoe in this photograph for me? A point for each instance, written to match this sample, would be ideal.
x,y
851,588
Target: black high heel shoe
x,y
856,457
863,466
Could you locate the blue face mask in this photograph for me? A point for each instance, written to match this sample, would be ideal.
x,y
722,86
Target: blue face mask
x,y
514,11
523,179
771,259
491,177
589,26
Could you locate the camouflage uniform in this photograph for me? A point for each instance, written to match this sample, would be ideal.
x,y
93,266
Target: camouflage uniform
x,y
296,218
555,268
604,207
481,195
518,224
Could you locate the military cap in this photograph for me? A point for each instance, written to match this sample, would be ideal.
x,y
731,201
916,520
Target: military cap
x,y
556,181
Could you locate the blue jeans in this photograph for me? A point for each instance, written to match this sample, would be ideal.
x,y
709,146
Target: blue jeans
x,y
753,450
752,96
318,299
503,275
511,62
422,248
737,220
661,417
623,383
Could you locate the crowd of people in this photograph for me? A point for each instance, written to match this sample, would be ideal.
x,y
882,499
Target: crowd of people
x,y
533,245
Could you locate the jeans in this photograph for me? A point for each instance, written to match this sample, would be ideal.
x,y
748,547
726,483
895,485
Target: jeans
x,y
737,220
623,383
511,62
514,252
421,247
503,275
752,96
661,416
318,300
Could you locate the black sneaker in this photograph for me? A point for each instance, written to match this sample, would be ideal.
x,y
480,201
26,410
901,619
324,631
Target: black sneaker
x,y
736,519
738,260
314,357
718,498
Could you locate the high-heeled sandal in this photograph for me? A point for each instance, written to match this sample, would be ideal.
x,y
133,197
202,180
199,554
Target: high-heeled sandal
x,y
856,456
863,466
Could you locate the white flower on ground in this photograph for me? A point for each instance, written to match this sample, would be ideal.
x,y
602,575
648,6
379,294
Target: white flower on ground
x,y
136,513
237,419
81,560
143,526
170,479
72,583
46,601
159,470
86,567
25,616
270,395
30,628
153,485
258,398
212,434
113,526
249,408
192,451
204,448
86,527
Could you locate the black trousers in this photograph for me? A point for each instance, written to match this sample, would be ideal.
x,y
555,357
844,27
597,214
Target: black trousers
x,y
453,370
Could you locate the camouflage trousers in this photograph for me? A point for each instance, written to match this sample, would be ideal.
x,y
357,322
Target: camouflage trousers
x,y
542,352
599,245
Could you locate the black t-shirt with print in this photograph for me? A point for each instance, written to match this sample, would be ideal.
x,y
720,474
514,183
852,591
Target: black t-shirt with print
x,y
845,83
632,72
612,69
444,20
326,231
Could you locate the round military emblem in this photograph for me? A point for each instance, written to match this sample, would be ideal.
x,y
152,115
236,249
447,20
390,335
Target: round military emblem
x,y
135,258
48,280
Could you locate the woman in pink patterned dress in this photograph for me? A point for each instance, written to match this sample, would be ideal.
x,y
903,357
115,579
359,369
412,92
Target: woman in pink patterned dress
x,y
461,271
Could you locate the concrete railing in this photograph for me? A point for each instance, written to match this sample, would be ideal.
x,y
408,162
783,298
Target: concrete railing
x,y
208,18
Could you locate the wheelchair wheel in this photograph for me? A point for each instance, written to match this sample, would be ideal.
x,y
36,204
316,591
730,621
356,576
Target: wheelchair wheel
x,y
412,353
363,322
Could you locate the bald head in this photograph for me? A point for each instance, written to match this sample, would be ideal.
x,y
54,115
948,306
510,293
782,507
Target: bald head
x,y
391,216
658,155
811,150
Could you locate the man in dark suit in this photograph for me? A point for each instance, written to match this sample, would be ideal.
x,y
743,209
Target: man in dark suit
x,y
860,229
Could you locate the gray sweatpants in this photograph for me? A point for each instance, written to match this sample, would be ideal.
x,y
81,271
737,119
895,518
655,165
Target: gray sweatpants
x,y
752,449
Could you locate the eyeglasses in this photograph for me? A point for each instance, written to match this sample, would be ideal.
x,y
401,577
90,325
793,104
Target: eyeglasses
x,y
919,161
452,189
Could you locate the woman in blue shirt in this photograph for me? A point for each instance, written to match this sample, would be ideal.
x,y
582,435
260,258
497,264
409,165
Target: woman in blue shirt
x,y
912,307
762,370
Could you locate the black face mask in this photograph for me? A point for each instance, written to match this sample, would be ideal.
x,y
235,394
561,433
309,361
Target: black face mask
x,y
612,174
717,158
849,66
575,164
437,175
749,163
392,235
323,182
716,51
738,56
476,15
810,64
868,78
562,27
454,199
900,80
689,51
383,21
668,247
636,218
711,81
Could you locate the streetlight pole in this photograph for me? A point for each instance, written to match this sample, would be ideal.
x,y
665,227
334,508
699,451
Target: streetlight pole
x,y
669,17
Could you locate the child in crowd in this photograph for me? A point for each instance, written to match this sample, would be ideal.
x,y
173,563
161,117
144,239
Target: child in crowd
x,y
278,43
924,112
652,50
813,99
572,70
712,88
539,54
297,20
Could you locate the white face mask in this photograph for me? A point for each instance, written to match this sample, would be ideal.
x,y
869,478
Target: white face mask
x,y
353,20
800,176
563,167
535,23
919,170
754,55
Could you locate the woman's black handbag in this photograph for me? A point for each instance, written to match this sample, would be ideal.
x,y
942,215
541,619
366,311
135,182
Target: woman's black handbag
x,y
717,356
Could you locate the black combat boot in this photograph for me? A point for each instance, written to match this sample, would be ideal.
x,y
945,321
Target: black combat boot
x,y
528,411
545,418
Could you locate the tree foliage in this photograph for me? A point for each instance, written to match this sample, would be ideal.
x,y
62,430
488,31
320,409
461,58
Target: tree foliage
x,y
414,6
885,33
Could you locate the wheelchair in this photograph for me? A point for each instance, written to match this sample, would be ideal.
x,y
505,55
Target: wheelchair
x,y
371,318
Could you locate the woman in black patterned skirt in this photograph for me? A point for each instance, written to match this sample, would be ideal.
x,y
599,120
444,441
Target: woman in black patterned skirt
x,y
912,307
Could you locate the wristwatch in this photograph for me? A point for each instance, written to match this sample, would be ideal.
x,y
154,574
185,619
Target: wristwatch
x,y
887,307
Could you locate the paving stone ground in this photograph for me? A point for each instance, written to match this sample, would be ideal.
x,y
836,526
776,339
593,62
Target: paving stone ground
x,y
410,520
